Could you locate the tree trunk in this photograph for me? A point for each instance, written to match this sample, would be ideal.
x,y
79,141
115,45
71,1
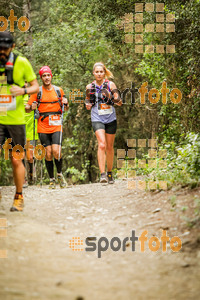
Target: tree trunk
x,y
27,13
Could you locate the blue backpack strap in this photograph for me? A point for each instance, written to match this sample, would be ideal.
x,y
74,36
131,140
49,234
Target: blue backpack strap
x,y
57,90
39,97
58,93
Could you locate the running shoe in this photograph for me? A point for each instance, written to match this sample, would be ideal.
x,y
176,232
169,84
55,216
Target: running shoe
x,y
62,181
18,203
110,178
103,178
52,184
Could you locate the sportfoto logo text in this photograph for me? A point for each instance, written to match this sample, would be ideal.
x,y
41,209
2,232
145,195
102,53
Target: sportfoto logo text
x,y
154,95
116,244
23,22
18,151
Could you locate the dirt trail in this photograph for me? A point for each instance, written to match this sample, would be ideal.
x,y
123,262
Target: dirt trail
x,y
40,264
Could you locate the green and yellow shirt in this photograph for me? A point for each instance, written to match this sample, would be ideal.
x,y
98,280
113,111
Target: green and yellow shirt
x,y
15,112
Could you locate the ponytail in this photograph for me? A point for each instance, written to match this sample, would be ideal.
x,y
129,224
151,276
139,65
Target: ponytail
x,y
108,73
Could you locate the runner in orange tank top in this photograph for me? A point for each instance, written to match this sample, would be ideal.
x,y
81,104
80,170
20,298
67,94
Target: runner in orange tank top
x,y
49,102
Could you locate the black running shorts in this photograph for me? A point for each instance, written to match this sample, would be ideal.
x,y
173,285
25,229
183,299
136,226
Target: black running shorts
x,y
16,132
48,139
109,127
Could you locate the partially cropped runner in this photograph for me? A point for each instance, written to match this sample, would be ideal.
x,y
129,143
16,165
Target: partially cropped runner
x,y
17,70
31,138
49,102
100,98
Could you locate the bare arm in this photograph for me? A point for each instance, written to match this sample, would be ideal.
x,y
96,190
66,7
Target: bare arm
x,y
32,89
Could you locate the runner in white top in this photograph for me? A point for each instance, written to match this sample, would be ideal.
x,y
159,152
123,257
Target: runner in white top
x,y
101,95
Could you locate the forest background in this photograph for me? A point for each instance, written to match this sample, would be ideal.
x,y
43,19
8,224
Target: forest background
x,y
70,36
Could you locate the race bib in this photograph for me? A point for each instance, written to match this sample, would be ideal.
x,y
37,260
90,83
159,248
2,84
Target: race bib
x,y
7,102
104,109
55,120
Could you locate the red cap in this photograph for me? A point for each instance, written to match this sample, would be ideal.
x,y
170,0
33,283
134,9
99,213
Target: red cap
x,y
45,69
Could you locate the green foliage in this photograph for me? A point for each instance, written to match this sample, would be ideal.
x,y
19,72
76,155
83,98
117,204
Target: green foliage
x,y
70,36
76,175
189,155
6,176
194,221
183,162
172,200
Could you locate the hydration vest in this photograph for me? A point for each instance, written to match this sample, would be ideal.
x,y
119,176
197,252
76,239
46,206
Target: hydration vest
x,y
39,97
8,68
93,99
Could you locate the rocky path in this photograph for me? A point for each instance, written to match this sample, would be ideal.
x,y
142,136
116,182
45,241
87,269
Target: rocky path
x,y
41,265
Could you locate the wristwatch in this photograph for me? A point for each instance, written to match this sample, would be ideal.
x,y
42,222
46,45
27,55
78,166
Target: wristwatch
x,y
25,91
